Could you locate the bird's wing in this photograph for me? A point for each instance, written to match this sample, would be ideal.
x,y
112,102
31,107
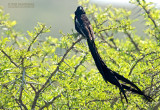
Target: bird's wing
x,y
87,26
84,27
79,27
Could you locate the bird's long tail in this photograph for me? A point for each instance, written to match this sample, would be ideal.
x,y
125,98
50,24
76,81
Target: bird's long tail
x,y
148,98
100,65
136,90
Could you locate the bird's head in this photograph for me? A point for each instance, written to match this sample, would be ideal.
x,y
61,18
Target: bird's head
x,y
79,11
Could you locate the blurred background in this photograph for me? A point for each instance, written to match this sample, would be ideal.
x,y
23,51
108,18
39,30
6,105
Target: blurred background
x,y
55,13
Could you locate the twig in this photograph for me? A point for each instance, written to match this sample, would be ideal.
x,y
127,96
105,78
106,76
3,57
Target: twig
x,y
63,72
35,38
69,50
139,61
51,101
133,42
150,69
96,100
33,88
9,58
111,28
130,72
80,63
113,61
103,39
112,40
149,16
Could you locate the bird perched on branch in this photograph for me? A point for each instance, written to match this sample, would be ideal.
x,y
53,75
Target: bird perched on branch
x,y
83,26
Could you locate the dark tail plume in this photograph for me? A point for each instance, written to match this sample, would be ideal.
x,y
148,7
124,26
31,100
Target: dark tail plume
x,y
112,76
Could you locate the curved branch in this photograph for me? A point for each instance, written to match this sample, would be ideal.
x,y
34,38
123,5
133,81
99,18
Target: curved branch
x,y
9,57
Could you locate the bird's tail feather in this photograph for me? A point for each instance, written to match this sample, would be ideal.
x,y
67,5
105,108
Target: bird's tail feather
x,y
148,98
138,91
120,77
122,90
99,64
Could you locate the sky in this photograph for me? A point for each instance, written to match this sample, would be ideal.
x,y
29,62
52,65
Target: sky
x,y
123,2
54,13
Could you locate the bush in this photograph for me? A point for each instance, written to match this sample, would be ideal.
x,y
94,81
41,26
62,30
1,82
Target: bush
x,y
34,76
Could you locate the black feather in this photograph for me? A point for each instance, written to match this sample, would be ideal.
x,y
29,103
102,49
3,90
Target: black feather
x,y
83,26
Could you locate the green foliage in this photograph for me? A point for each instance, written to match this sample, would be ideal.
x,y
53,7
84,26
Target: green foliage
x,y
34,76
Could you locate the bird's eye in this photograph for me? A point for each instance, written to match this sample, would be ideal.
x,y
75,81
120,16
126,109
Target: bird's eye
x,y
80,8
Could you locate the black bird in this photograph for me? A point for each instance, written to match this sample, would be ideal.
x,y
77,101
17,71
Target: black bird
x,y
83,26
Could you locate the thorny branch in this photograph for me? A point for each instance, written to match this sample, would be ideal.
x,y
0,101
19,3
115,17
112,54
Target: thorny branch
x,y
55,71
23,80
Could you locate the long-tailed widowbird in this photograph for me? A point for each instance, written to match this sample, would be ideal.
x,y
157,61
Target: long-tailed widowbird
x,y
83,26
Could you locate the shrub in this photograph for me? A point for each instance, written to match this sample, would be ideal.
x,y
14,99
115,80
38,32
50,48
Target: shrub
x,y
34,76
